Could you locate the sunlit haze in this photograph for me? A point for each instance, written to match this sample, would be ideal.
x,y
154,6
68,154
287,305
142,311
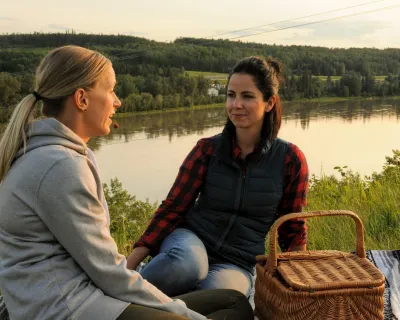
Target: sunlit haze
x,y
167,20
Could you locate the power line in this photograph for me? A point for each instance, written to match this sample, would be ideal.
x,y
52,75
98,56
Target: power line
x,y
288,20
138,54
319,21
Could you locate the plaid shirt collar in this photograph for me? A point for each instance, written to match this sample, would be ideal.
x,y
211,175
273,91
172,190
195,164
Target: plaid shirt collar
x,y
237,151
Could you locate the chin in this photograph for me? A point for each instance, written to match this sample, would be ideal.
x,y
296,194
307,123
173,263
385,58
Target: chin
x,y
104,131
239,125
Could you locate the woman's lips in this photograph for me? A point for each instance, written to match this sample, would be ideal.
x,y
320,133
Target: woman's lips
x,y
239,115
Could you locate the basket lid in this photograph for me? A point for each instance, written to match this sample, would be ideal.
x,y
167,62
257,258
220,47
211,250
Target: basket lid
x,y
324,270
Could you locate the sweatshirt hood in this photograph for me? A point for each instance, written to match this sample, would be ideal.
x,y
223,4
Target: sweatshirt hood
x,y
50,131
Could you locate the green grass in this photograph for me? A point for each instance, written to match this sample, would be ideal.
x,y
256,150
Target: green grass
x,y
207,74
335,78
323,78
339,99
376,199
221,77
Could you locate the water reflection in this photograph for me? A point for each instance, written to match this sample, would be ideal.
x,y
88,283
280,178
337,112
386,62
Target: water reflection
x,y
179,124
358,134
164,124
347,111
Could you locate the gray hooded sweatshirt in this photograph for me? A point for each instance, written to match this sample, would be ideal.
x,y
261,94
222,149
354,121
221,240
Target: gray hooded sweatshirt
x,y
57,257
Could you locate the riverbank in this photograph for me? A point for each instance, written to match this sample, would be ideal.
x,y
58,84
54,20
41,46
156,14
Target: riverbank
x,y
207,106
302,100
341,99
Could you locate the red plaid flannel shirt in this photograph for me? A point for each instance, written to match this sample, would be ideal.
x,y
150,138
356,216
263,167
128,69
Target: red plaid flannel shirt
x,y
181,197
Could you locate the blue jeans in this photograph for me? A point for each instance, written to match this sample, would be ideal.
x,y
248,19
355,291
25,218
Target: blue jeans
x,y
183,265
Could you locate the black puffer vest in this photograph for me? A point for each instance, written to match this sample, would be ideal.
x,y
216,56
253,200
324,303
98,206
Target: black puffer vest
x,y
238,204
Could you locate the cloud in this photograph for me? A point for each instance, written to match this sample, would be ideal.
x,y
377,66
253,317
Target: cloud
x,y
8,19
135,33
338,30
330,30
58,26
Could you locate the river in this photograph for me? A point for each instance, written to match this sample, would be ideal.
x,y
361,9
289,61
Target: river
x,y
145,152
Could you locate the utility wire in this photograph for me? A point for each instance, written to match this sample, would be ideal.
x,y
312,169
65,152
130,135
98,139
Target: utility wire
x,y
136,55
319,21
289,20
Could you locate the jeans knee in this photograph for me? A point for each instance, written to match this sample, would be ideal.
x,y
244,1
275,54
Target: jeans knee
x,y
189,264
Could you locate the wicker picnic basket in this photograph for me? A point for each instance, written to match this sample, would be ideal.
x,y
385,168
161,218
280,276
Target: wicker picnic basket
x,y
328,285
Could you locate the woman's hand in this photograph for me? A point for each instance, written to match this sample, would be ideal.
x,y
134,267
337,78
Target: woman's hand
x,y
136,257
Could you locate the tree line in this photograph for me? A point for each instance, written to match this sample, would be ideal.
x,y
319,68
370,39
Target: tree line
x,y
151,74
349,84
129,52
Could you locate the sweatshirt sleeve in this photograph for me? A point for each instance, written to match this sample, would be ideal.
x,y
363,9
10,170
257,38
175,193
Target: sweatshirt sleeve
x,y
67,201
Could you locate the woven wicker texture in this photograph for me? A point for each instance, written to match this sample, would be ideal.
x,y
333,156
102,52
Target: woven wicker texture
x,y
315,285
349,271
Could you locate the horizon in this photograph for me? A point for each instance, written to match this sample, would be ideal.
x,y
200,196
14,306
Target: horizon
x,y
73,32
376,29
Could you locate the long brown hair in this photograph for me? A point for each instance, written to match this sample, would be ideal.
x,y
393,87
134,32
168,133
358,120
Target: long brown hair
x,y
266,74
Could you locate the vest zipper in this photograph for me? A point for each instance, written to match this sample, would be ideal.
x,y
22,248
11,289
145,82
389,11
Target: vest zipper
x,y
244,175
232,218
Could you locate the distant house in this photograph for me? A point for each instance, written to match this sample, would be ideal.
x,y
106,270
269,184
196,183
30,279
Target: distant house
x,y
213,92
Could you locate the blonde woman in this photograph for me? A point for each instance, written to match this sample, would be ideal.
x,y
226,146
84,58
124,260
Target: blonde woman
x,y
57,257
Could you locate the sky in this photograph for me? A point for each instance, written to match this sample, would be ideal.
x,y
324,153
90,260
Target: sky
x,y
166,20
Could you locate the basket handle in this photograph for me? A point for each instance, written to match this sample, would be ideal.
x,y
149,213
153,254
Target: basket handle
x,y
272,256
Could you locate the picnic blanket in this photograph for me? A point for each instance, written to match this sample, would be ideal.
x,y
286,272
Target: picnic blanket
x,y
387,261
389,264
3,310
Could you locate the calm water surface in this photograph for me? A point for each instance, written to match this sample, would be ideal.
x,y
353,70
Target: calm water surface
x,y
146,151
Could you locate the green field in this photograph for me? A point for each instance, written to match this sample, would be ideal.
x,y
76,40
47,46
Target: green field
x,y
222,77
334,78
207,74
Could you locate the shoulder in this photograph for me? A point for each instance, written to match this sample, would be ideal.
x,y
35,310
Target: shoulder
x,y
34,164
201,152
294,154
207,145
67,169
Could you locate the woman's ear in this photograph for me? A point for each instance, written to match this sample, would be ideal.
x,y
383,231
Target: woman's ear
x,y
81,99
270,103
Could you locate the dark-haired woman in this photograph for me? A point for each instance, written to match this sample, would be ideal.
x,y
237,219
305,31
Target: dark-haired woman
x,y
229,191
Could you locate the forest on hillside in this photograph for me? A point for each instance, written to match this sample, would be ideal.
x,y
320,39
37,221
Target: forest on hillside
x,y
152,75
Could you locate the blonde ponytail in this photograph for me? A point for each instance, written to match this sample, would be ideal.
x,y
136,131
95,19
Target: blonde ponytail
x,y
59,74
15,134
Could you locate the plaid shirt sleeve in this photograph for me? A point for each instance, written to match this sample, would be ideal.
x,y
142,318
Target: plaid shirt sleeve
x,y
293,233
181,197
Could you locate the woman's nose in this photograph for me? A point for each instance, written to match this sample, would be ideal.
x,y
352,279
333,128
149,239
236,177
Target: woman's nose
x,y
237,103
